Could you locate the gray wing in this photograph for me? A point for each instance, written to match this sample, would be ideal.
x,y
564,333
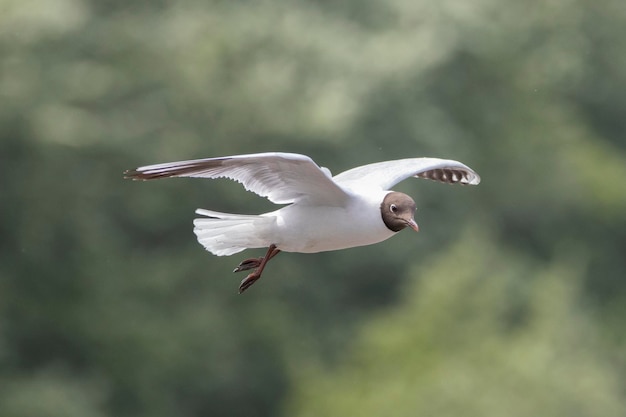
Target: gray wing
x,y
281,177
387,174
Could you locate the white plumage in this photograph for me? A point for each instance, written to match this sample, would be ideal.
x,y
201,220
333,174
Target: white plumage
x,y
323,213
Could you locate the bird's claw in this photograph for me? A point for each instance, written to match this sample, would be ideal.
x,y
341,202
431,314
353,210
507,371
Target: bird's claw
x,y
258,264
248,264
248,281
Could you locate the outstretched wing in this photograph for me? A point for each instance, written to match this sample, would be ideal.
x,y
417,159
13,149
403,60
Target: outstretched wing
x,y
387,174
281,177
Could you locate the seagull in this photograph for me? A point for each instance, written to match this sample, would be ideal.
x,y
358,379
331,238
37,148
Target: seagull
x,y
321,213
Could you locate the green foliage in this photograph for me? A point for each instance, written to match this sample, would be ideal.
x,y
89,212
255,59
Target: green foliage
x,y
50,393
486,335
108,306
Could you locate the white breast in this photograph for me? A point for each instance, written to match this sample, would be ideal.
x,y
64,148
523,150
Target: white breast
x,y
310,229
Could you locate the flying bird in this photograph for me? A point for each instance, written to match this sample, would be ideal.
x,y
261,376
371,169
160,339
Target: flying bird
x,y
322,212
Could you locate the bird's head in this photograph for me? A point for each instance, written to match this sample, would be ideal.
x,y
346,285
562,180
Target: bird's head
x,y
397,210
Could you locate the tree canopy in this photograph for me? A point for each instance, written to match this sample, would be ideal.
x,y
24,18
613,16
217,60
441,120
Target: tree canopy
x,y
510,300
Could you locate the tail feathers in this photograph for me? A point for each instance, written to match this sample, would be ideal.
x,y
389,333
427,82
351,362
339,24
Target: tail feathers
x,y
225,234
225,216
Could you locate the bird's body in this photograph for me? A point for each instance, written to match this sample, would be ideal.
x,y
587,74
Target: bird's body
x,y
357,224
296,227
324,213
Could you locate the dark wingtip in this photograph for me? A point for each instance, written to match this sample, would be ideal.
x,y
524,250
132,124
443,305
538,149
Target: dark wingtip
x,y
136,175
451,176
133,174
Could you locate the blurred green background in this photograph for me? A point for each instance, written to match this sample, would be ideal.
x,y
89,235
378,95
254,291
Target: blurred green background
x,y
509,302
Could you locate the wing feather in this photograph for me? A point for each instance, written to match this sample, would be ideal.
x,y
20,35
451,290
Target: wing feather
x,y
283,178
387,174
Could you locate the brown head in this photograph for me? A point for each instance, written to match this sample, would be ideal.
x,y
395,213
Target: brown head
x,y
397,210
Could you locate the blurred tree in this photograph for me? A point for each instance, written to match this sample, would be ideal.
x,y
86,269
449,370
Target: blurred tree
x,y
104,294
486,335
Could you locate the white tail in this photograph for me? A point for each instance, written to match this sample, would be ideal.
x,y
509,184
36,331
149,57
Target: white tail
x,y
225,234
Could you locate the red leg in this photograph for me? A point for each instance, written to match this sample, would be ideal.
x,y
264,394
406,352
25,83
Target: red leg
x,y
247,264
252,263
253,277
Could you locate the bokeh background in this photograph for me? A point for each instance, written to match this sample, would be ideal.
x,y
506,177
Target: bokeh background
x,y
509,302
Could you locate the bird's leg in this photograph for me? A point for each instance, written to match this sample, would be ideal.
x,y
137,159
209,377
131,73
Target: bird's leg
x,y
252,263
247,264
254,276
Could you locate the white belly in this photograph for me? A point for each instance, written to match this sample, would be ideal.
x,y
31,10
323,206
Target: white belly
x,y
317,229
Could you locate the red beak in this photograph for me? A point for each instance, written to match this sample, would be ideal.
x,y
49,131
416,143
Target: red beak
x,y
411,223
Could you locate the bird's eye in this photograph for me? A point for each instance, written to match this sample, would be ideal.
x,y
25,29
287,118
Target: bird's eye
x,y
393,208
